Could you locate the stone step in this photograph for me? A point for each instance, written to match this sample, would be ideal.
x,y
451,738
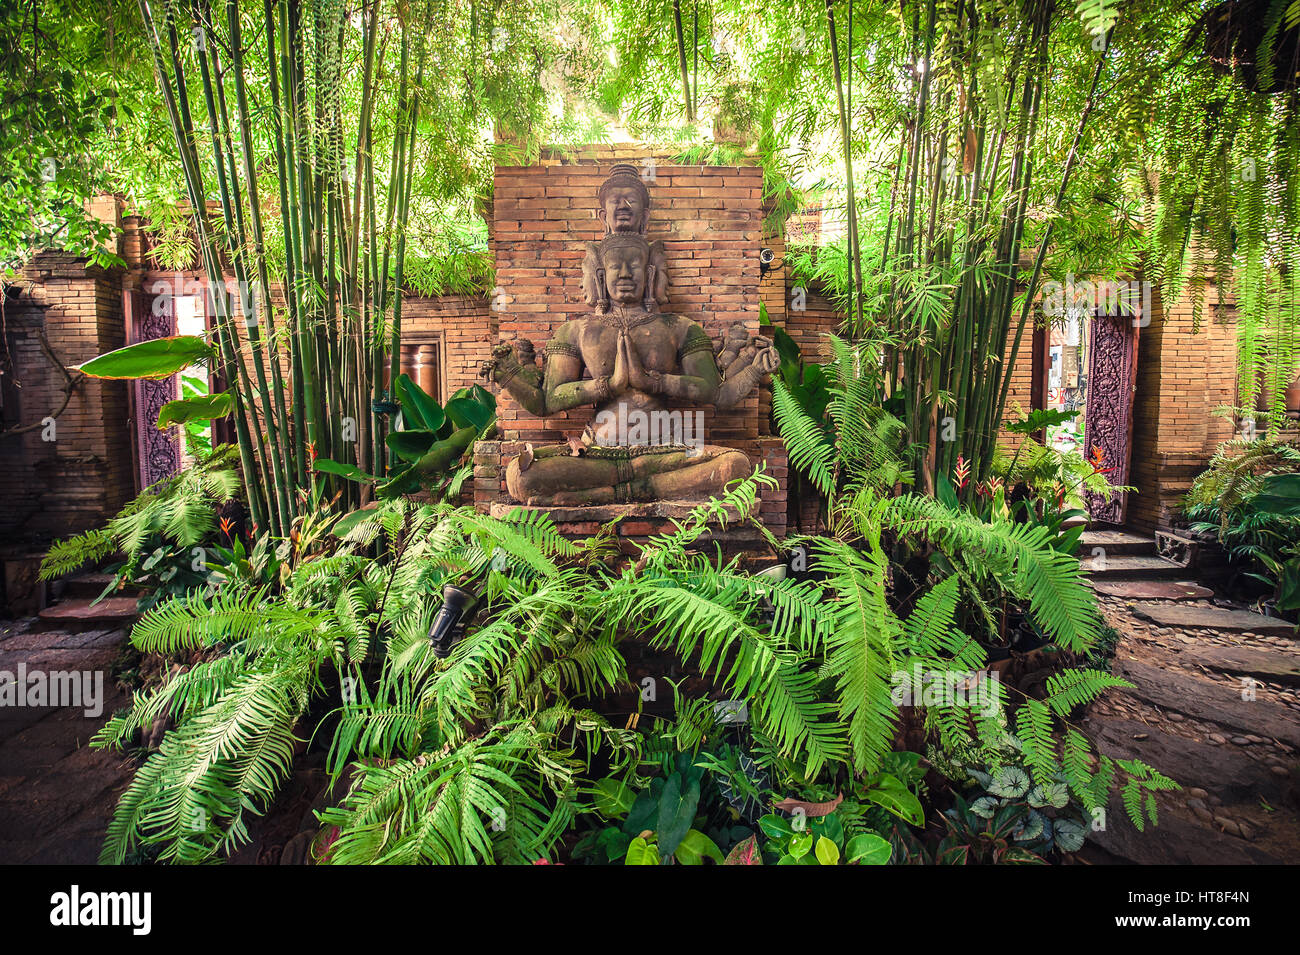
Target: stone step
x,y
88,585
1131,567
77,615
1202,699
1213,618
1116,543
1151,589
1273,667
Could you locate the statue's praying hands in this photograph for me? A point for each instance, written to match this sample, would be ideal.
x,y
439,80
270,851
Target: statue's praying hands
x,y
627,362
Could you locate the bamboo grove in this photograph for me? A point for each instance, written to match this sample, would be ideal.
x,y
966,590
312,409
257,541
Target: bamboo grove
x,y
304,387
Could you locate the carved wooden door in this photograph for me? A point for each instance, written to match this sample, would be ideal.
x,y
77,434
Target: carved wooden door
x,y
1108,418
157,453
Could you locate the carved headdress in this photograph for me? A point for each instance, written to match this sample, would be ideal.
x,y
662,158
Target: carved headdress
x,y
593,286
623,175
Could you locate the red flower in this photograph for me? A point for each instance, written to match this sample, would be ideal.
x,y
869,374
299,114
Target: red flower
x,y
311,449
1097,461
226,525
545,862
962,472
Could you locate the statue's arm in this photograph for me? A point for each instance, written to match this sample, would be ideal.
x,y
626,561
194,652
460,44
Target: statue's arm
x,y
699,379
565,386
746,379
507,371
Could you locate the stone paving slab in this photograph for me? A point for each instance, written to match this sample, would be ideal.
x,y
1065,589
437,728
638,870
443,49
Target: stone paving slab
x,y
117,610
1222,770
1213,618
1131,566
1215,702
1270,667
1151,589
1175,841
56,794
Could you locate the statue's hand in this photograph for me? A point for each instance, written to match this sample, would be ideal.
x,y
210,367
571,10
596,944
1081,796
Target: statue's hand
x,y
619,381
638,377
768,360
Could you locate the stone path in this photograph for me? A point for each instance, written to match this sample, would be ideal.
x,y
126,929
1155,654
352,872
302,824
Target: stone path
x,y
1217,708
56,794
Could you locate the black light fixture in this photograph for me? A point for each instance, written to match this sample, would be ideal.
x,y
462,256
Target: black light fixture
x,y
767,262
446,628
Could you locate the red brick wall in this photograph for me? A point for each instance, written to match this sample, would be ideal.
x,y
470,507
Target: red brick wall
x,y
1182,377
465,329
77,481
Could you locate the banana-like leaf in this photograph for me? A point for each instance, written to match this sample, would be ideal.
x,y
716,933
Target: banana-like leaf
x,y
343,470
419,410
466,412
156,358
198,408
411,444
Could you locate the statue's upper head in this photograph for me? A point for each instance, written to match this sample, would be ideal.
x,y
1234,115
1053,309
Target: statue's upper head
x,y
625,258
624,201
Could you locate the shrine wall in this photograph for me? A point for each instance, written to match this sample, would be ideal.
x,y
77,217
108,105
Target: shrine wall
x,y
710,219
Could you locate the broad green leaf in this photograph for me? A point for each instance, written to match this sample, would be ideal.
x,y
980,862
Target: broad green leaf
x,y
899,800
343,470
828,853
411,444
419,410
344,525
641,852
695,847
156,358
801,844
613,797
868,849
677,808
467,413
201,408
775,827
1279,494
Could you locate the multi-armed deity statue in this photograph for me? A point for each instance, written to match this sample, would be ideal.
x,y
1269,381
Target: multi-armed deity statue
x,y
628,359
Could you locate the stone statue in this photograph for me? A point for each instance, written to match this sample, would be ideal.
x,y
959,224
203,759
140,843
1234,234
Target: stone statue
x,y
627,359
623,206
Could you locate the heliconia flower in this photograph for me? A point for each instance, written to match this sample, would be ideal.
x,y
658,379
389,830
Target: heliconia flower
x,y
1060,495
995,484
1098,460
962,472
226,525
311,449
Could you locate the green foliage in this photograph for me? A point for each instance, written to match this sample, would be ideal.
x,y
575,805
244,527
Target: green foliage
x,y
163,535
1239,499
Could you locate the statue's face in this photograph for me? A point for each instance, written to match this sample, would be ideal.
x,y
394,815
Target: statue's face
x,y
624,209
625,274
